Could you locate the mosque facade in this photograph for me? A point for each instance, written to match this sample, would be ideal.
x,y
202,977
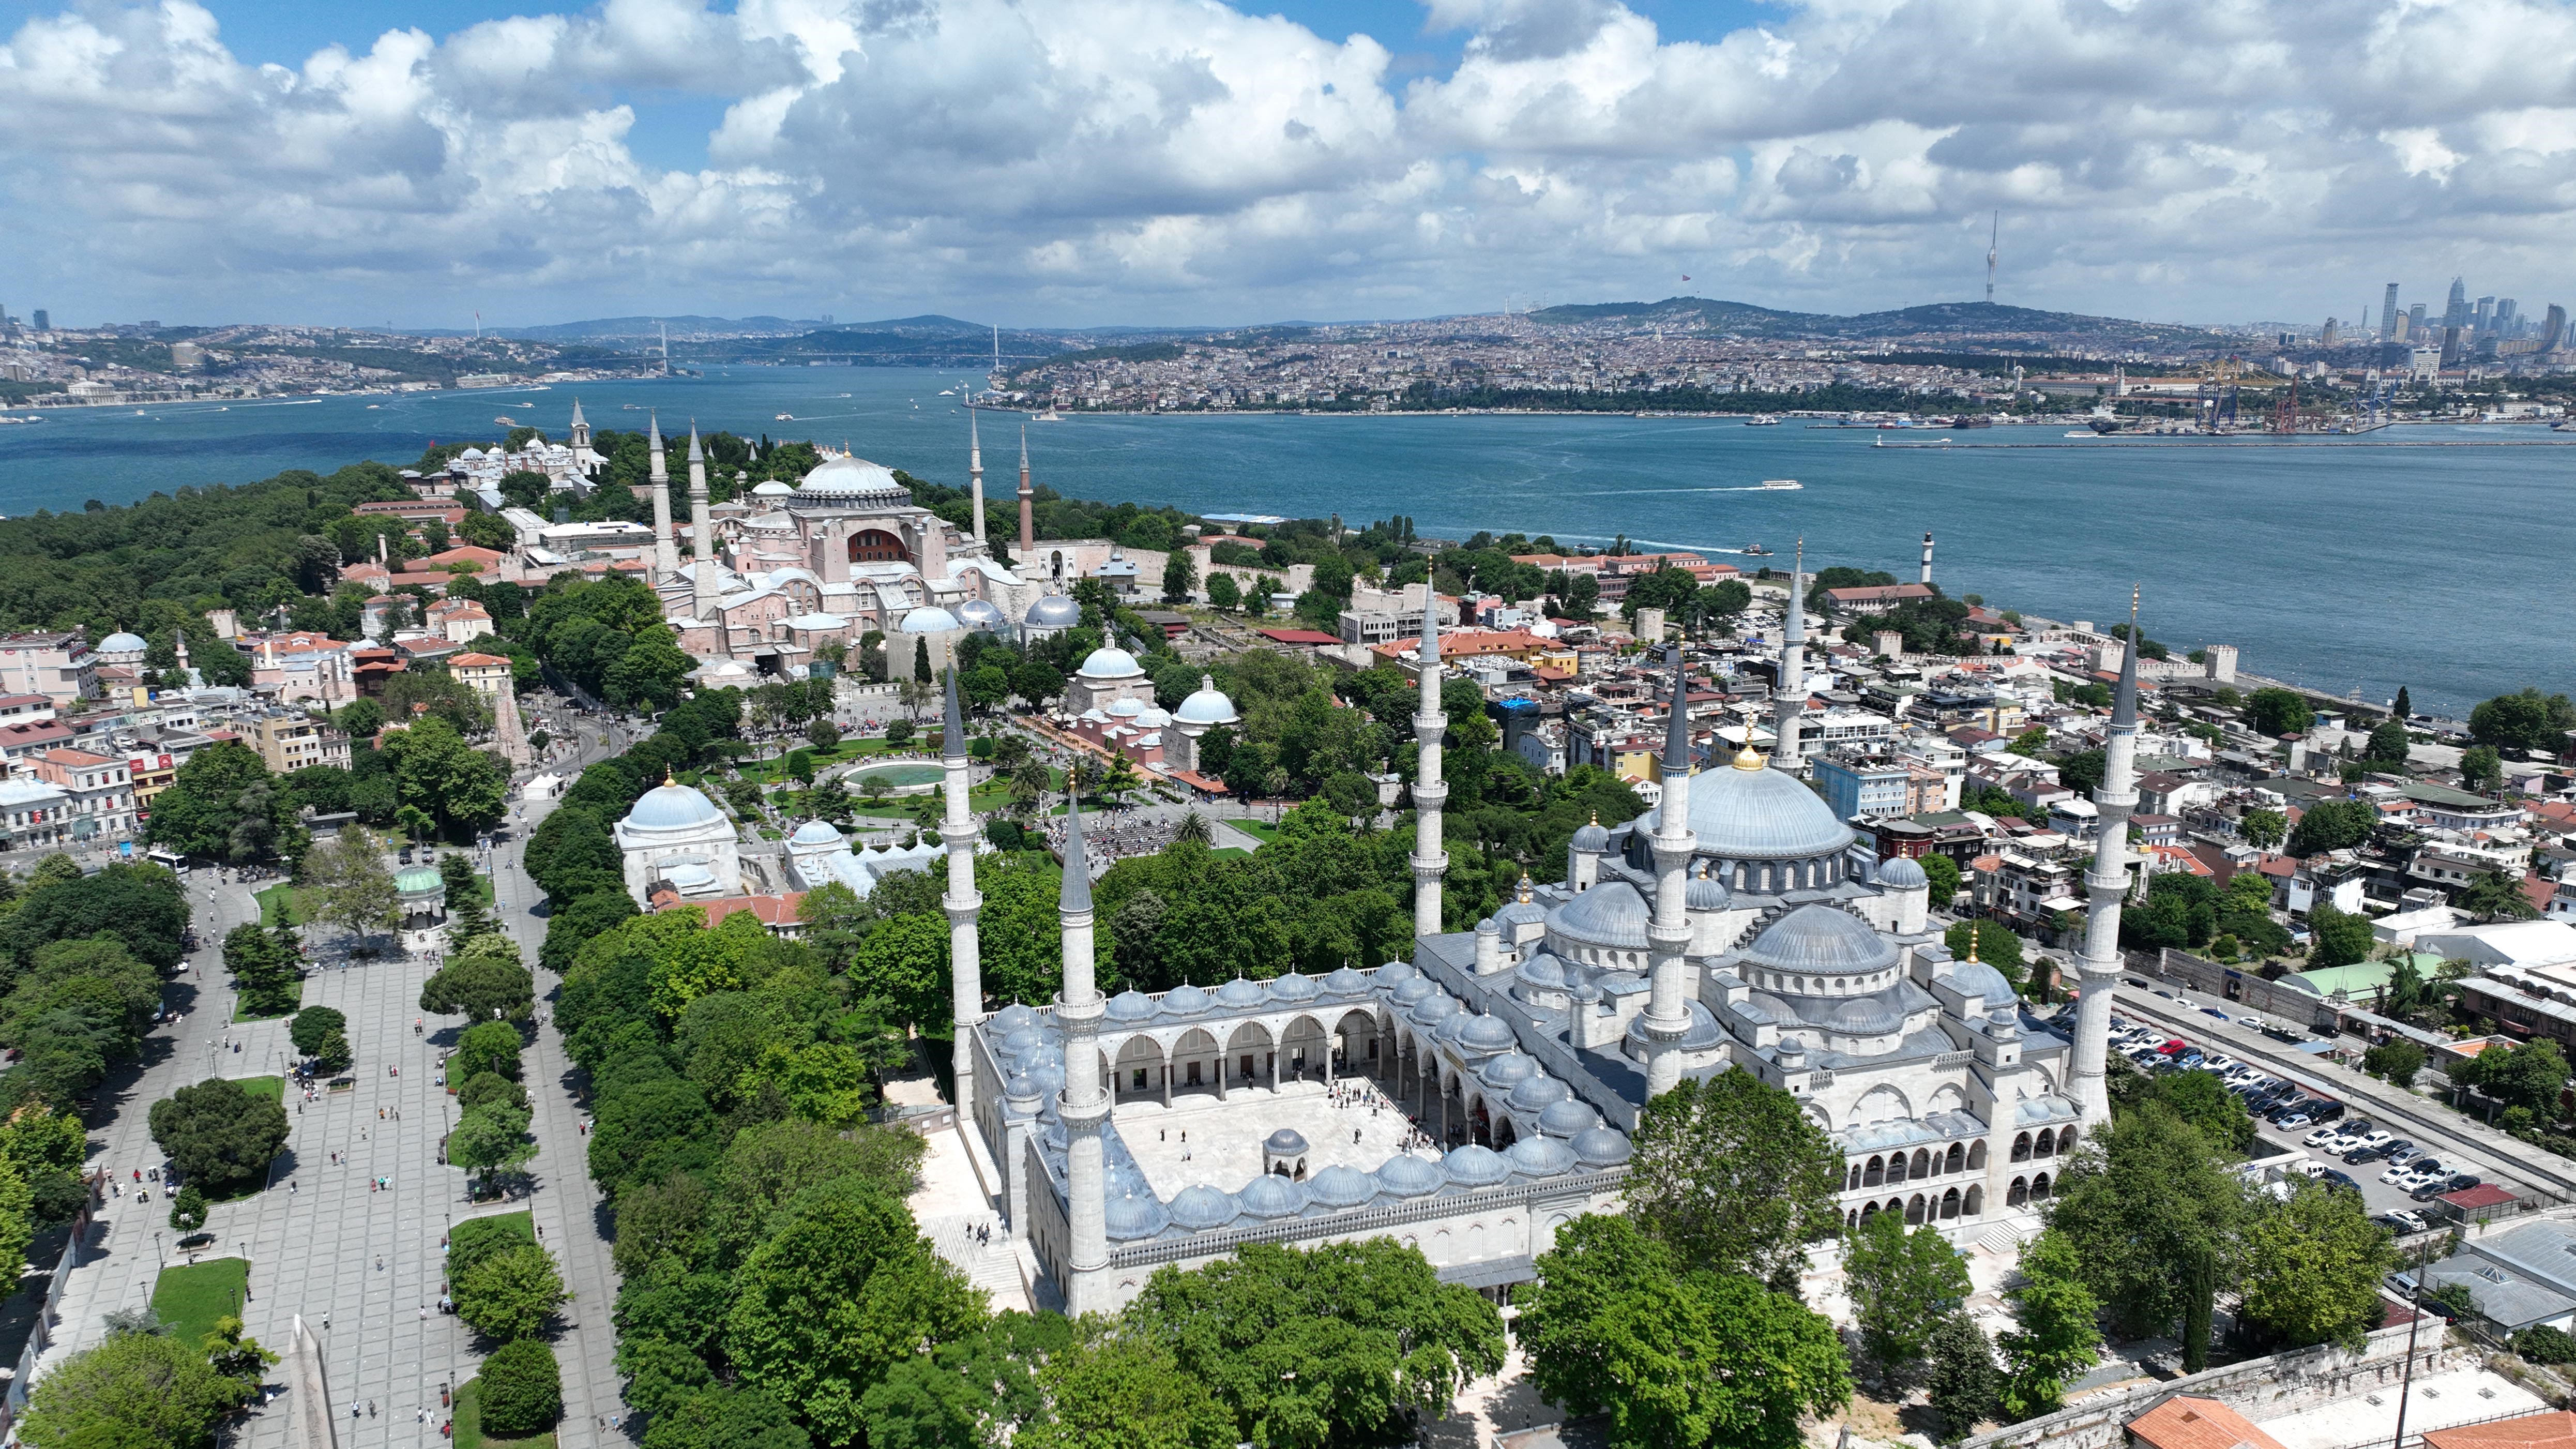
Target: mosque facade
x,y
1739,925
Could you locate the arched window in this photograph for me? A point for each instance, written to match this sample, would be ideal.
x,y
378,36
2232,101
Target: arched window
x,y
875,545
1922,1163
1974,1203
1895,1168
1977,1155
2039,1188
2018,1194
1958,1156
1949,1204
1875,1173
1854,1184
1914,1211
2044,1144
2021,1148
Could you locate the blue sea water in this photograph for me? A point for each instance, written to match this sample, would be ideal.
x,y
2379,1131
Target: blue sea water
x,y
2343,568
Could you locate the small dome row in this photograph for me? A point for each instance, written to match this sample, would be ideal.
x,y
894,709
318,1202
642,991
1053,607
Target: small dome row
x,y
1239,994
1338,1188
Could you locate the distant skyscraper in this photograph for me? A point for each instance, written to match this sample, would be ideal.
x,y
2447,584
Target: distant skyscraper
x,y
2484,317
2508,316
2328,340
2388,315
2553,328
43,322
2455,313
2415,320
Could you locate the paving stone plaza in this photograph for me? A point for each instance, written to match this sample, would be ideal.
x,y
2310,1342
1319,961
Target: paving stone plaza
x,y
360,1262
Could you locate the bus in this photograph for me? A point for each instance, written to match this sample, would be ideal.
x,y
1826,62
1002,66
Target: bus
x,y
169,860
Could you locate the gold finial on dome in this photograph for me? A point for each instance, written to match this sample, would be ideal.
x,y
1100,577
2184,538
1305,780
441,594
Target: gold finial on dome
x,y
1525,886
666,774
1746,758
1972,943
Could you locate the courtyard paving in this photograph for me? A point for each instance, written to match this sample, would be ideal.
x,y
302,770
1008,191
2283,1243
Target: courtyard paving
x,y
1201,1140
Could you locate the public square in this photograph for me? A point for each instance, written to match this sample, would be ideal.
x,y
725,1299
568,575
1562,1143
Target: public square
x,y
1202,1141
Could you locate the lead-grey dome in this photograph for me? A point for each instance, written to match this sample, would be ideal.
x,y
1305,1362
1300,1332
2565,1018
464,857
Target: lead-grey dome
x,y
1130,1006
1055,611
1272,1196
1823,940
1292,987
1541,1157
1011,1018
1868,1016
122,643
1486,1034
1977,978
1023,1041
1344,981
1601,1147
1592,839
1610,914
1706,893
982,616
1474,1166
1139,1215
1507,1071
1409,1176
1206,706
1202,1207
1341,1187
1902,873
1395,973
1566,1118
1757,813
1411,989
671,806
1537,1094
1184,1000
1434,1009
1240,993
1287,1141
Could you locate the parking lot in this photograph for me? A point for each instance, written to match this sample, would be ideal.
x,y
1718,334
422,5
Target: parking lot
x,y
2300,1119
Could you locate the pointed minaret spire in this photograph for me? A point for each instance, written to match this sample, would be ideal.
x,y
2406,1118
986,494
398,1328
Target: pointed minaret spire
x,y
963,904
1430,792
1789,703
1084,1108
666,548
702,543
975,467
1028,502
2106,887
1668,935
696,454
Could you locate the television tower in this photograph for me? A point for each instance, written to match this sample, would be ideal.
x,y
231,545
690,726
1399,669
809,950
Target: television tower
x,y
1993,237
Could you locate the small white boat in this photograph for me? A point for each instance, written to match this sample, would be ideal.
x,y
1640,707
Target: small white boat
x,y
1778,485
2082,433
1049,416
1762,422
371,407
784,418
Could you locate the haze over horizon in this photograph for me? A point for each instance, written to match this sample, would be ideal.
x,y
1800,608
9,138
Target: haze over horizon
x,y
1185,162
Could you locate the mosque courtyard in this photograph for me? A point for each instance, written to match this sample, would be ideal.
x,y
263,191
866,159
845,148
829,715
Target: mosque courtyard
x,y
1202,1141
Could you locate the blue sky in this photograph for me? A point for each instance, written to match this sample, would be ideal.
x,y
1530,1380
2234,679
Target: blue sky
x,y
1176,161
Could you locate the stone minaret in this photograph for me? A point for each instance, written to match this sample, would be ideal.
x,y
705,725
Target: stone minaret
x,y
702,539
965,953
1430,862
975,469
1926,580
580,437
666,548
1028,503
2105,885
1668,935
1789,702
1085,1106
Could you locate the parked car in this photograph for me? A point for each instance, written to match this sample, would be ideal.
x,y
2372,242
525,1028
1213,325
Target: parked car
x,y
2363,1154
2223,1063
2398,1150
2292,1121
2318,1138
2328,1112
2213,1011
2173,1046
2341,1180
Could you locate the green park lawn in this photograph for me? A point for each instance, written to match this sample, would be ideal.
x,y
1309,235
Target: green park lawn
x,y
191,1296
771,771
1261,830
281,905
469,1424
273,1086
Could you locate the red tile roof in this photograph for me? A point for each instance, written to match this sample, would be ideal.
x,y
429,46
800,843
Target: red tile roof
x,y
2183,1422
2548,1429
2474,1199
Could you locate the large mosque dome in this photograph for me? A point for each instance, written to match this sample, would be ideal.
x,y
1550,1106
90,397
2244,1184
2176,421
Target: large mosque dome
x,y
1054,611
1749,811
841,477
1110,662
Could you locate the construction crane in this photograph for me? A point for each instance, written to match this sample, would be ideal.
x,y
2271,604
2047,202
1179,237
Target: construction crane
x,y
2285,409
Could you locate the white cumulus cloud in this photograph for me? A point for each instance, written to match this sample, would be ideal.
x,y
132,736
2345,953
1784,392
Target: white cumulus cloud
x,y
1186,160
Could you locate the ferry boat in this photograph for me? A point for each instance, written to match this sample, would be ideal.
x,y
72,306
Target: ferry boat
x,y
1778,485
784,418
2082,433
1763,422
1756,550
1049,416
